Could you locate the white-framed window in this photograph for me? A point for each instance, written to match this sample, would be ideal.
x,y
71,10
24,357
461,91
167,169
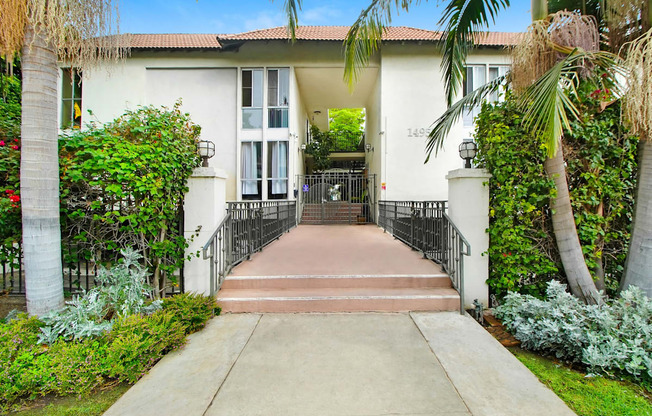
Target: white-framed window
x,y
251,170
475,77
71,99
252,98
278,92
277,170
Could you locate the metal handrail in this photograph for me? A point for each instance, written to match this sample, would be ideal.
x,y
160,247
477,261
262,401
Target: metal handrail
x,y
425,226
246,229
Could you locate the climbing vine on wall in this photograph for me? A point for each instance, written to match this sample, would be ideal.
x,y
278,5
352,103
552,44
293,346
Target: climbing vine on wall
x,y
601,169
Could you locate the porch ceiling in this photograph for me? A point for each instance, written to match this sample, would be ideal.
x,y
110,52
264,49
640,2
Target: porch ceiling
x,y
324,88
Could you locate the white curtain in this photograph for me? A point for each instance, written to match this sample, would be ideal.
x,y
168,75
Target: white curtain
x,y
279,167
249,169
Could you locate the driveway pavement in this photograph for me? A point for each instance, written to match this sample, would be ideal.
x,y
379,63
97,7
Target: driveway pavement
x,y
340,364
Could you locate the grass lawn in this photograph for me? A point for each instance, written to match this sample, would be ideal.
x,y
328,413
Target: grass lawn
x,y
93,404
595,396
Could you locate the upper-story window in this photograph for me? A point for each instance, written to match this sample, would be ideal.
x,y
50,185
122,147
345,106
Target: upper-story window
x,y
252,98
278,91
475,77
71,99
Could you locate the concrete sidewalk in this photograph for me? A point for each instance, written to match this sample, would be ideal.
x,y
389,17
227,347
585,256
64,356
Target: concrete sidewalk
x,y
340,364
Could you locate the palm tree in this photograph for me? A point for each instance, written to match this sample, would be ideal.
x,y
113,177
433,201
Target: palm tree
x,y
47,32
547,100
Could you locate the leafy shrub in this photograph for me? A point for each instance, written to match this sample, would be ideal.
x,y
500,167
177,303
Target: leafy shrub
x,y
191,310
601,167
125,353
607,338
137,342
123,185
121,292
10,218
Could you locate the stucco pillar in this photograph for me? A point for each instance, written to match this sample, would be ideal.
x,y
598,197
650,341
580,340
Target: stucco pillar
x,y
468,207
204,206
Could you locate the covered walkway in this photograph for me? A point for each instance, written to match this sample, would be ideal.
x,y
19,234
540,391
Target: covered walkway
x,y
337,268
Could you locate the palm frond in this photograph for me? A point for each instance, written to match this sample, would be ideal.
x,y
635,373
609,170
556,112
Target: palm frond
x,y
292,8
463,22
548,103
365,35
443,125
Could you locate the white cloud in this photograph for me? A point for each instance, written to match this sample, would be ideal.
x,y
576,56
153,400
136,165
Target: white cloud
x,y
319,16
264,20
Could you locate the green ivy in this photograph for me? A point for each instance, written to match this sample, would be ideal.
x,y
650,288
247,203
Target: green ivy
x,y
601,169
123,185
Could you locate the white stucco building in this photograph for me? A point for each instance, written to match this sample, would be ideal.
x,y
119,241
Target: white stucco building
x,y
256,93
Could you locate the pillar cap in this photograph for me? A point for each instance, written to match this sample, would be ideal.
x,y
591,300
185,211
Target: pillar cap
x,y
209,172
468,173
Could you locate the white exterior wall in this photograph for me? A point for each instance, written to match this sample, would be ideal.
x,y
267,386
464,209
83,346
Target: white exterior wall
x,y
407,93
413,97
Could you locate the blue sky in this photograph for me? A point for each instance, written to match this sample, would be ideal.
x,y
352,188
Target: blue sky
x,y
234,16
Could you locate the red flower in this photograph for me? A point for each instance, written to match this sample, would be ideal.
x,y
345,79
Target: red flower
x,y
16,140
2,142
10,191
504,254
14,198
14,147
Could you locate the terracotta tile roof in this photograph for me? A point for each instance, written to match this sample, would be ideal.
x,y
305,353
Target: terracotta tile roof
x,y
392,33
309,33
174,41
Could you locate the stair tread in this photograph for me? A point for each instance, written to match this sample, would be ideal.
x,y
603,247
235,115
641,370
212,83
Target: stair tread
x,y
343,293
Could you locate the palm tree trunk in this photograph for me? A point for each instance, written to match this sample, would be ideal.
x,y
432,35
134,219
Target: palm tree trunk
x,y
638,269
579,278
39,177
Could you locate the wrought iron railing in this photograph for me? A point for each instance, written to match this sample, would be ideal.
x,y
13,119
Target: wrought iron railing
x,y
246,229
425,226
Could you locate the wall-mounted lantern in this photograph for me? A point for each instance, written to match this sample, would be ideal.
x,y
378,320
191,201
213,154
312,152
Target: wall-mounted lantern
x,y
468,150
302,148
206,151
368,148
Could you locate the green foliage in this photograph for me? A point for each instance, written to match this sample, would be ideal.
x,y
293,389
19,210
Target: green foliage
x,y
10,218
608,338
521,252
191,310
587,396
601,167
123,186
138,342
126,352
121,291
90,404
320,148
347,127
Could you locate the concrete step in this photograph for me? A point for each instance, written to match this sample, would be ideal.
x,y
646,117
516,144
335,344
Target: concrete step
x,y
338,281
338,300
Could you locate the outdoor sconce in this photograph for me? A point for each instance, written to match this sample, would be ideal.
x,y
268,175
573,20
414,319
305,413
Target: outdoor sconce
x,y
468,150
206,151
303,147
368,148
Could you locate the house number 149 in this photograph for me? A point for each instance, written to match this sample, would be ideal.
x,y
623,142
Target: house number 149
x,y
418,132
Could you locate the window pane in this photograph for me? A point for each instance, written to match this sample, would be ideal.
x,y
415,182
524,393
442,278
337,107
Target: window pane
x,y
66,84
479,76
66,114
277,169
493,74
77,85
251,170
246,79
252,118
257,88
77,113
284,87
272,89
468,81
277,118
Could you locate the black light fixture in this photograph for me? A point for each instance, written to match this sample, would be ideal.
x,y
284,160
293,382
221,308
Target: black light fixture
x,y
206,151
468,150
368,147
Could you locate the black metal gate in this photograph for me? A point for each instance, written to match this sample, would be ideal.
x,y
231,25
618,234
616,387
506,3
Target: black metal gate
x,y
337,198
